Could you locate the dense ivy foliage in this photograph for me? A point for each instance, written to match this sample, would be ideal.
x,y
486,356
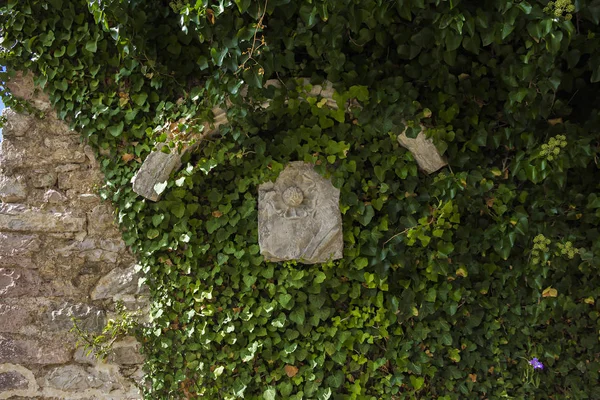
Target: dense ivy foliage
x,y
449,283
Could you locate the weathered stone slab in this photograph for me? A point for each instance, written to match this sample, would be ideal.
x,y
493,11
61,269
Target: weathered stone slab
x,y
20,218
12,190
19,282
32,351
88,317
17,249
14,317
157,168
118,282
126,352
12,380
76,378
299,217
424,151
100,221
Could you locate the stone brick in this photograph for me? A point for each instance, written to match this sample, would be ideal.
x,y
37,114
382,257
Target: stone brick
x,y
33,351
20,218
15,317
100,221
119,281
12,190
88,317
19,282
126,352
12,380
16,249
44,179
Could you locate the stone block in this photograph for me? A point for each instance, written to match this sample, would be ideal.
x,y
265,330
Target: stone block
x,y
59,317
14,316
12,190
23,87
71,378
16,125
19,282
54,197
20,218
156,168
126,352
81,181
44,179
32,351
101,221
299,217
12,380
16,250
118,282
424,151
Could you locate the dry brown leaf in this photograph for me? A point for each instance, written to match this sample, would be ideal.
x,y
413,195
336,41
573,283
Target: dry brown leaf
x,y
555,121
290,370
473,377
217,214
127,157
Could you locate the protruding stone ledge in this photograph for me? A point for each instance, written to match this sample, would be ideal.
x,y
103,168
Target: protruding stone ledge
x,y
21,218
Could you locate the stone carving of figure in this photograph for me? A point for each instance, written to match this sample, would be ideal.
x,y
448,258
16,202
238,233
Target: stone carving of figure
x,y
299,217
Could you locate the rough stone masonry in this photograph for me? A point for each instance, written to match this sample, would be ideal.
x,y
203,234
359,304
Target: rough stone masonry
x,y
61,256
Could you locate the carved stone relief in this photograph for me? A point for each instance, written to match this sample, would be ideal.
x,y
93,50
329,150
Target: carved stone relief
x,y
299,217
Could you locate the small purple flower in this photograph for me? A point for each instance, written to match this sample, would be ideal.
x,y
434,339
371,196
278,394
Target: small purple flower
x,y
536,363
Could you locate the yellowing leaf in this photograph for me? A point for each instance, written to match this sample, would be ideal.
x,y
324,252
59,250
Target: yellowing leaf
x,y
462,271
473,377
550,292
290,370
589,300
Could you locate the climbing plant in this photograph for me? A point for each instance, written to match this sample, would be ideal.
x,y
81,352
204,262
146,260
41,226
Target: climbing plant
x,y
478,281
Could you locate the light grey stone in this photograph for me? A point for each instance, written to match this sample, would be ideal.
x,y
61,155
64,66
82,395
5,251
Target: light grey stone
x,y
299,217
16,125
423,150
20,218
12,380
88,317
74,378
156,168
14,317
118,282
12,190
54,197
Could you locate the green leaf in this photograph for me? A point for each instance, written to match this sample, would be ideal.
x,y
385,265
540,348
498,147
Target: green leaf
x,y
140,98
417,381
298,316
91,45
178,210
553,43
152,233
116,130
270,393
361,262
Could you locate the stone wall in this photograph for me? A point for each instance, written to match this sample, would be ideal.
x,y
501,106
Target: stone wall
x,y
61,256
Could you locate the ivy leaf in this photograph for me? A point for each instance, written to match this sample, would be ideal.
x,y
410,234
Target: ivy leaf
x,y
140,98
116,130
417,382
550,292
270,393
91,45
160,187
298,316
